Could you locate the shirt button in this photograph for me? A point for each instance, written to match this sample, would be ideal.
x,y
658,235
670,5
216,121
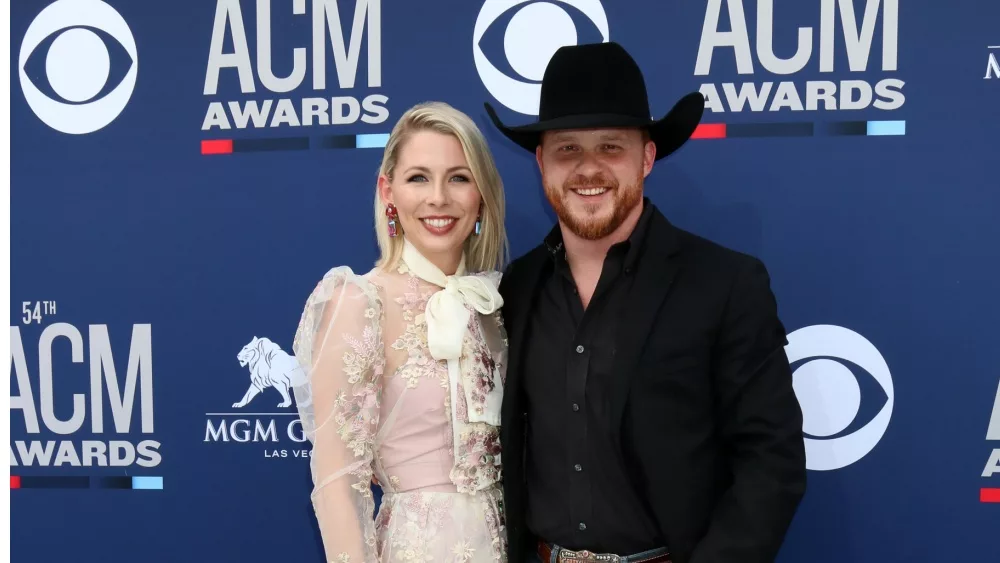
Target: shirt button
x,y
576,407
578,467
582,526
579,349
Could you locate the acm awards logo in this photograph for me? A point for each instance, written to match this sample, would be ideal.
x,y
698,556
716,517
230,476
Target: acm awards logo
x,y
992,66
771,86
299,94
832,367
256,420
66,63
63,396
993,463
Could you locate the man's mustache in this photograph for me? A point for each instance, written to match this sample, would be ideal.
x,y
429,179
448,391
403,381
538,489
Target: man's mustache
x,y
597,181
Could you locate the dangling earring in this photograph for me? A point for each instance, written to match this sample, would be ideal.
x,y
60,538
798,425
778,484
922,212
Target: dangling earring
x,y
393,215
479,226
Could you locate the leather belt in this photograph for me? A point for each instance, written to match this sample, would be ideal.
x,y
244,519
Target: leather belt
x,y
566,556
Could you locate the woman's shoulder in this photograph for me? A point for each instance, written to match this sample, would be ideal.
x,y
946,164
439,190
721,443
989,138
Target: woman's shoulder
x,y
340,282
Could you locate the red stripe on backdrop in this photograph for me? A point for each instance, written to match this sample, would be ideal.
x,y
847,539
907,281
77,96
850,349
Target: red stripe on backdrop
x,y
710,131
222,146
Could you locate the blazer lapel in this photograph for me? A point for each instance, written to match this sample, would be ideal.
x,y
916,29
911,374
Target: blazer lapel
x,y
654,275
524,285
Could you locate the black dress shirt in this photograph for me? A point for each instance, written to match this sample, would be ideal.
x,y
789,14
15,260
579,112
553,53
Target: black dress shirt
x,y
579,495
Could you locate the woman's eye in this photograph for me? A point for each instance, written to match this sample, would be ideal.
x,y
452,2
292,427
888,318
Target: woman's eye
x,y
417,178
460,178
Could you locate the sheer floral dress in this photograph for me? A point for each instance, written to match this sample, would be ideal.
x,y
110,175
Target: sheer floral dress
x,y
377,403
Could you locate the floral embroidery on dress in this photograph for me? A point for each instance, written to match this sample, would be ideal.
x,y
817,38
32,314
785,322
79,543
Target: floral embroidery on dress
x,y
484,369
463,552
363,429
482,376
421,521
496,524
346,310
353,414
414,338
502,329
476,460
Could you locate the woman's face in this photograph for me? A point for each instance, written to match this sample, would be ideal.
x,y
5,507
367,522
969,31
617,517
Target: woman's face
x,y
435,195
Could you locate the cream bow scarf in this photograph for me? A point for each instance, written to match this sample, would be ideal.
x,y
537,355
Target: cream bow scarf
x,y
447,315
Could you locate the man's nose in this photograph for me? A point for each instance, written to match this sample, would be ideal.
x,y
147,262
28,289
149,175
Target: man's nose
x,y
588,165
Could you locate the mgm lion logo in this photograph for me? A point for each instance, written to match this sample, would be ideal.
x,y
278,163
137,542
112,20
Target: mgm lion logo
x,y
270,366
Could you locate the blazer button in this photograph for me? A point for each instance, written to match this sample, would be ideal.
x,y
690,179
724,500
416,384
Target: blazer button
x,y
583,526
579,349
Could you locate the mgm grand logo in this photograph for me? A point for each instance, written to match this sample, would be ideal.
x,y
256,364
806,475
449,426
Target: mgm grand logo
x,y
278,429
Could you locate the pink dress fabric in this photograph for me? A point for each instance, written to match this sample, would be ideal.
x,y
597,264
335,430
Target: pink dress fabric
x,y
378,405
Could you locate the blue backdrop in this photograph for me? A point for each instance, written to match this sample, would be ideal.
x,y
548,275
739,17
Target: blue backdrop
x,y
182,174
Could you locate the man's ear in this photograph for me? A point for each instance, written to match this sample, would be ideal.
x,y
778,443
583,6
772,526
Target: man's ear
x,y
648,158
538,151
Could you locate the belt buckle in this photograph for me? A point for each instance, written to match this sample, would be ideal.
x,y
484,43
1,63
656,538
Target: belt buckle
x,y
567,556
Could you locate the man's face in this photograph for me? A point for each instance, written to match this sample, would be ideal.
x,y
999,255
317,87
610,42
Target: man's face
x,y
593,177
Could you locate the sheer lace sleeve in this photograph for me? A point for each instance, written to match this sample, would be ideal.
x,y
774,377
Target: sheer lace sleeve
x,y
339,345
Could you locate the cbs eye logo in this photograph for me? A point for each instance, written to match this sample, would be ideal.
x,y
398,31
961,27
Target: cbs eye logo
x,y
77,65
533,34
830,366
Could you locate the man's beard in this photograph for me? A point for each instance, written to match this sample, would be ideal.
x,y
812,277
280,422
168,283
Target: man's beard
x,y
586,225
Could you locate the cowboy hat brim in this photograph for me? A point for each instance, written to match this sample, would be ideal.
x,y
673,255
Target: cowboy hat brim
x,y
668,133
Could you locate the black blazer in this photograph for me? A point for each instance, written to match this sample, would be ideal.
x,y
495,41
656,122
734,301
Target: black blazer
x,y
703,412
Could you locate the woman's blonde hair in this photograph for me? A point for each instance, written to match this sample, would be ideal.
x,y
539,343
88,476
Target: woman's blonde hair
x,y
489,249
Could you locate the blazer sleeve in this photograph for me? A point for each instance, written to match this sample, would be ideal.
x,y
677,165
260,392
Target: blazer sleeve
x,y
760,421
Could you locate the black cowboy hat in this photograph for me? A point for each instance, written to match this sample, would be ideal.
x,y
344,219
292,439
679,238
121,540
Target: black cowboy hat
x,y
599,85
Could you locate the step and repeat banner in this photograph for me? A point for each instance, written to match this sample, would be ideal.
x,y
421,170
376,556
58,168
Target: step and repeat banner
x,y
183,173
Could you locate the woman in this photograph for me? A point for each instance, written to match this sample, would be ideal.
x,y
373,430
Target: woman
x,y
406,362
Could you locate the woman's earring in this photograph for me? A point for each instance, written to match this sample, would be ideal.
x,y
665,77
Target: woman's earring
x,y
393,215
479,226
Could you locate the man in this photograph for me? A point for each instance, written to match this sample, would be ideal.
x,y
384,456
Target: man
x,y
648,413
